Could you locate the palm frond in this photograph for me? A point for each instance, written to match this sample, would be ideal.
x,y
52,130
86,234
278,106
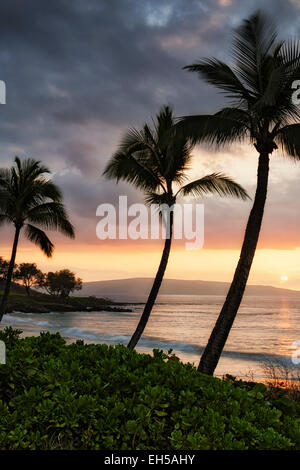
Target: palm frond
x,y
158,199
253,42
236,114
289,56
29,169
269,96
132,138
5,177
165,122
216,183
222,76
51,215
25,193
143,145
288,138
39,237
3,219
213,129
178,157
124,166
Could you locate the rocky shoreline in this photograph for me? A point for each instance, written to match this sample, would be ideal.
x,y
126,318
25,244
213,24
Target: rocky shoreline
x,y
43,303
64,308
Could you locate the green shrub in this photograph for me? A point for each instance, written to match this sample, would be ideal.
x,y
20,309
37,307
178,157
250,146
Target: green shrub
x,y
79,396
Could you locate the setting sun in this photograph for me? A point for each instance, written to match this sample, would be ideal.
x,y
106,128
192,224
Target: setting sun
x,y
284,278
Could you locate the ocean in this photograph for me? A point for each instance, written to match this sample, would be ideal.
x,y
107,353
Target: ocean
x,y
264,330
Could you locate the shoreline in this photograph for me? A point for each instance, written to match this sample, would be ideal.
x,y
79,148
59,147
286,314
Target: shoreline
x,y
233,363
38,303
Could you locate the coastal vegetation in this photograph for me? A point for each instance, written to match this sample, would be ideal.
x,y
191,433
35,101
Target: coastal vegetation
x,y
44,290
29,275
37,302
60,283
94,396
3,268
57,284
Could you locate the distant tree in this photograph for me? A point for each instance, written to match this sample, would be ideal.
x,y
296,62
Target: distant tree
x,y
29,274
3,268
61,283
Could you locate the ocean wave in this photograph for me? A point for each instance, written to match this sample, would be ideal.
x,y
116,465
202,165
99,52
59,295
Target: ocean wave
x,y
147,342
14,319
196,349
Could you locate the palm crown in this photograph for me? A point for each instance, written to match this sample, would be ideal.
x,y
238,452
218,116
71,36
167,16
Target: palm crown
x,y
155,159
260,86
259,83
28,199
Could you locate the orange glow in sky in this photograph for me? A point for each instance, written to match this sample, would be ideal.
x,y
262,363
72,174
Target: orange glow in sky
x,y
277,260
97,263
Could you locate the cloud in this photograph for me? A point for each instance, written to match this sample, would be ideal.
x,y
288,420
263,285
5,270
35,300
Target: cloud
x,y
79,73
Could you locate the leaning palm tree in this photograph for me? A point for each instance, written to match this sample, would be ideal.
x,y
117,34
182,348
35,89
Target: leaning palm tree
x,y
27,198
154,163
260,86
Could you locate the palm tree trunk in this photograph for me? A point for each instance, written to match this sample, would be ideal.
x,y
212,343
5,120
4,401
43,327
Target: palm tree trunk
x,y
219,335
9,274
155,288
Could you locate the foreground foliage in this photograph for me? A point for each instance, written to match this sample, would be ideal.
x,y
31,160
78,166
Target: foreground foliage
x,y
79,396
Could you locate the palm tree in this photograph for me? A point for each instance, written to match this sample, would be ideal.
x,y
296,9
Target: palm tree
x,y
153,162
260,84
27,198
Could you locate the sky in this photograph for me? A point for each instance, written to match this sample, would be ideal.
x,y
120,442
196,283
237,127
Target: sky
x,y
79,73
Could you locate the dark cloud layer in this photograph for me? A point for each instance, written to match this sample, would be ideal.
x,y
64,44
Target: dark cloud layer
x,y
79,72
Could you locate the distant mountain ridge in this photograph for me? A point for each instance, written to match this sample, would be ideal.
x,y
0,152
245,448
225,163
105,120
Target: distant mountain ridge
x,y
138,287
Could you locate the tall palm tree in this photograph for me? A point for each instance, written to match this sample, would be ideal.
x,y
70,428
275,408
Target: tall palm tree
x,y
27,197
259,84
154,163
